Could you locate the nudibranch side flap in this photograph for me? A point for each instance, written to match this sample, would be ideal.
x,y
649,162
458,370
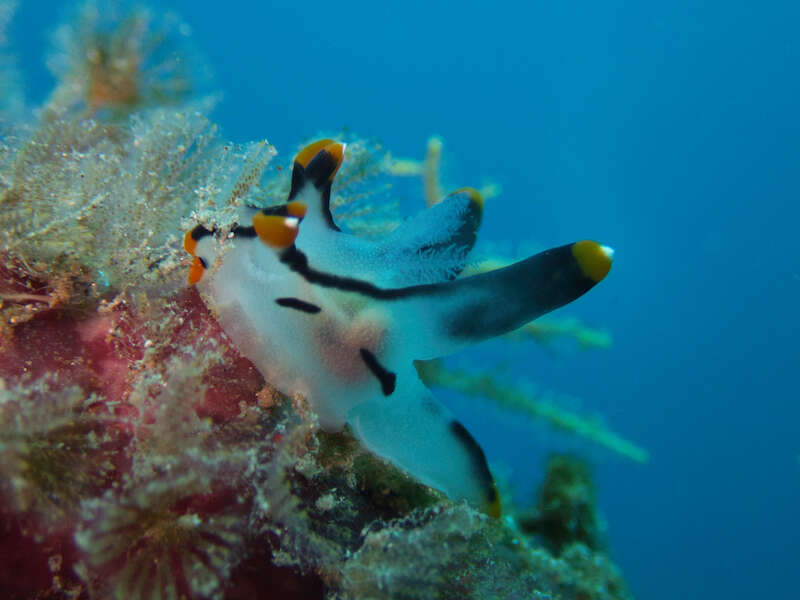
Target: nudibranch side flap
x,y
321,312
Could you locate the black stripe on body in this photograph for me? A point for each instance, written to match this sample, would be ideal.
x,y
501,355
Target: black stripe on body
x,y
325,205
298,304
479,465
387,378
481,306
199,232
298,180
530,287
297,261
279,210
245,232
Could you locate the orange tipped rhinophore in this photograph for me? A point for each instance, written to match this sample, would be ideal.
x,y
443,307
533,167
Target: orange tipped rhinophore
x,y
336,151
196,270
306,154
318,162
276,231
190,245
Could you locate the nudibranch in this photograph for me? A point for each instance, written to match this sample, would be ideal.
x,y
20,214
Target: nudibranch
x,y
341,319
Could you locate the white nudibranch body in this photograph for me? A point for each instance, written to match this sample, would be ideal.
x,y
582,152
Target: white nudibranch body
x,y
341,319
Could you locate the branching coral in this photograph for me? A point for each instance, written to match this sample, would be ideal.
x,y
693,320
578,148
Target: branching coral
x,y
430,171
546,332
485,385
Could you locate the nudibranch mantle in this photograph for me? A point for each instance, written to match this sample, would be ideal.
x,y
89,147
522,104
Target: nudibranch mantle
x,y
341,319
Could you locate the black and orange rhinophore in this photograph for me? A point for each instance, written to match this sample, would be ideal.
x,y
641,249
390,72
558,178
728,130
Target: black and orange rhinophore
x,y
317,164
190,245
276,231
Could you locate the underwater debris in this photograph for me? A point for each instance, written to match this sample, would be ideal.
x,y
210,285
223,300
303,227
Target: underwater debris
x,y
117,58
485,385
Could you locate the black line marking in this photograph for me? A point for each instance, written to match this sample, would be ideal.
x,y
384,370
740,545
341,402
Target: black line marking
x,y
480,466
279,210
297,261
203,262
325,205
298,304
298,180
528,289
199,232
387,378
245,232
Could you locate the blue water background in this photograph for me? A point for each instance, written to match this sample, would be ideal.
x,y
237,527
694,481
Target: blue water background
x,y
669,130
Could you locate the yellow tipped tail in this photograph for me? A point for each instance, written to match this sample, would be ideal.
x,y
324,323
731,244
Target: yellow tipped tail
x,y
593,258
